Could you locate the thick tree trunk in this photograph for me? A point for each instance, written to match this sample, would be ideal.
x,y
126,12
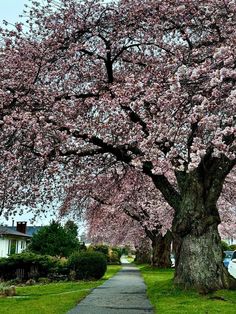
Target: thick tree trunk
x,y
196,239
161,246
199,262
143,252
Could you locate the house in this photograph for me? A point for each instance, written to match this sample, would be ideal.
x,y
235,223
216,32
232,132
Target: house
x,y
13,241
30,230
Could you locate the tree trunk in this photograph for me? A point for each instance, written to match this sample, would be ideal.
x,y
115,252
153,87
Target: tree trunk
x,y
199,260
161,246
143,254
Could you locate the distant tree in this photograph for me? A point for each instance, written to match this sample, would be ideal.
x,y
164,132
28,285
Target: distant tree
x,y
114,197
54,240
225,246
72,228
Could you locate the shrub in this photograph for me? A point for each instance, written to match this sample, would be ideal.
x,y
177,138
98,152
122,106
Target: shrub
x,y
60,268
25,266
118,250
232,247
114,258
88,265
225,246
102,248
44,280
60,271
82,247
112,254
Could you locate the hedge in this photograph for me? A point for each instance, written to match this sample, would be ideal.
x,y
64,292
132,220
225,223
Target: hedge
x,y
88,265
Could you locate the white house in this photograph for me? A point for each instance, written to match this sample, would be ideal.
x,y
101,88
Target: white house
x,y
12,241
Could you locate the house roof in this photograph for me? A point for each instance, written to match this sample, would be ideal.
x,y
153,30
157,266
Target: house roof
x,y
30,230
7,231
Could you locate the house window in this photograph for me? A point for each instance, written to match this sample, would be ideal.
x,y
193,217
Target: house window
x,y
12,247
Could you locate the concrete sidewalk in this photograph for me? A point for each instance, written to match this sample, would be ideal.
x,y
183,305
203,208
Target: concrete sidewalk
x,y
125,293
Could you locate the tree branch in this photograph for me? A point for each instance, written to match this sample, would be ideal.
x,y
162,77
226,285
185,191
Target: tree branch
x,y
134,117
214,171
172,197
76,96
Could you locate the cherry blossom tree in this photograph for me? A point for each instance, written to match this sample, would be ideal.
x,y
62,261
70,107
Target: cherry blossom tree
x,y
112,227
118,229
227,208
128,195
132,194
147,84
227,228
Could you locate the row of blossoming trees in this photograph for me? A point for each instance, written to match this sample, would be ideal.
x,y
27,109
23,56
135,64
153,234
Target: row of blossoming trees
x,y
129,210
125,90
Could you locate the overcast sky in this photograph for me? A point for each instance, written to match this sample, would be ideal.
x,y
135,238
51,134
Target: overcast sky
x,y
11,9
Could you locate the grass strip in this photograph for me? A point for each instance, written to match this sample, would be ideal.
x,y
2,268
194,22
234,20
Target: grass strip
x,y
168,299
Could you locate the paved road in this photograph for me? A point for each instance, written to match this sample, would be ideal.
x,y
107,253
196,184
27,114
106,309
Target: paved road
x,y
125,293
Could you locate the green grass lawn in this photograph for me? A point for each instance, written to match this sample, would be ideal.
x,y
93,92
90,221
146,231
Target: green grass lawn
x,y
53,298
168,299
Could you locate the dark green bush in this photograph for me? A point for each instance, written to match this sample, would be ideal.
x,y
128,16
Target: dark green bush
x,y
114,258
88,265
25,266
102,248
60,271
125,250
82,247
118,250
112,254
224,246
232,247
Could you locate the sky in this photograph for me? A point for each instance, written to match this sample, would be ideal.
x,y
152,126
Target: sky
x,y
11,9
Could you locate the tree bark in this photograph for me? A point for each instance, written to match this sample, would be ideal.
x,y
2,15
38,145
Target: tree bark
x,y
199,260
161,246
143,252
